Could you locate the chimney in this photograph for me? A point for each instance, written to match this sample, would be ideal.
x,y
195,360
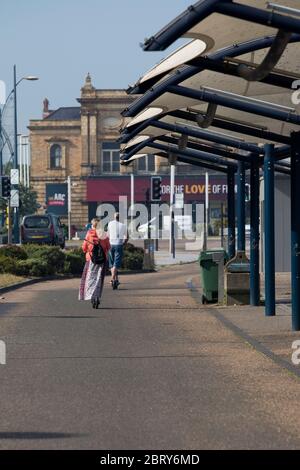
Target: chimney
x,y
46,110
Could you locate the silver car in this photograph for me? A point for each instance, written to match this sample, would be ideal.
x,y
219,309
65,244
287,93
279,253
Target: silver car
x,y
42,229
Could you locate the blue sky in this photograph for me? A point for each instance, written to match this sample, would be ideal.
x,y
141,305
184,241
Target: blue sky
x,y
61,40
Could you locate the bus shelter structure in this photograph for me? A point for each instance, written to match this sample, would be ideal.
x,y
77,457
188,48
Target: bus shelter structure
x,y
225,101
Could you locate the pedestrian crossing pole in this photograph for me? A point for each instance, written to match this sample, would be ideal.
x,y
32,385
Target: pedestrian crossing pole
x,y
131,201
206,212
9,227
172,161
69,207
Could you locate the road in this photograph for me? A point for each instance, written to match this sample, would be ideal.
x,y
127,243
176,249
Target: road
x,y
151,369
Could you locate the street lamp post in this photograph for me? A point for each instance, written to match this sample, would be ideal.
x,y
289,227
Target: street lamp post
x,y
15,160
1,144
69,206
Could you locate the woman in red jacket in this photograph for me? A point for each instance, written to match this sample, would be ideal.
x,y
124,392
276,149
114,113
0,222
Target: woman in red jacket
x,y
92,279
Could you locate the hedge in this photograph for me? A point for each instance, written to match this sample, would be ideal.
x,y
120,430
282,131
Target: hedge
x,y
53,256
74,263
130,248
133,261
7,265
43,260
13,251
32,267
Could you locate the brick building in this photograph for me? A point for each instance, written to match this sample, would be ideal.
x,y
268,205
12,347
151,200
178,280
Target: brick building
x,y
81,142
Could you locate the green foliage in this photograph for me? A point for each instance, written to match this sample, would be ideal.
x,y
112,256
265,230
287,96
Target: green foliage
x,y
7,265
78,252
39,268
130,248
28,201
53,256
13,251
32,260
133,257
31,267
74,263
7,167
3,204
133,261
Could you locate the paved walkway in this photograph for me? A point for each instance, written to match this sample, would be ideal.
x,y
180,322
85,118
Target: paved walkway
x,y
152,369
164,258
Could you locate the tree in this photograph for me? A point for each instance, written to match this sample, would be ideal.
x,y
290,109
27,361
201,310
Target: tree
x,y
7,167
28,200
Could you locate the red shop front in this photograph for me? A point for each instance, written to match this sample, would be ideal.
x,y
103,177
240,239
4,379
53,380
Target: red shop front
x,y
108,189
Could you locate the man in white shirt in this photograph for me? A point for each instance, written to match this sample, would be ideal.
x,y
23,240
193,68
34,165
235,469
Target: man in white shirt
x,y
118,236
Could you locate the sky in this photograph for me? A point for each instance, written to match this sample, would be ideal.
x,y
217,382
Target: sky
x,y
60,41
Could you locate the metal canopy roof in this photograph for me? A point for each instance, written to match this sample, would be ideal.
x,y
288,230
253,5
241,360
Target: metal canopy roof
x,y
181,158
181,56
195,77
179,95
224,22
254,73
208,157
284,62
236,52
258,132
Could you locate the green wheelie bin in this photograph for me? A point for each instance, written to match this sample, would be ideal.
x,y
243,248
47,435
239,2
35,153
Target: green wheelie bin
x,y
209,274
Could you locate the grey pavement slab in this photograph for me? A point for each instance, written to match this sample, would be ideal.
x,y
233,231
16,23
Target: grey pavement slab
x,y
151,369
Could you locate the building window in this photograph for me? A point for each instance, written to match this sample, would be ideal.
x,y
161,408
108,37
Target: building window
x,y
146,164
110,157
55,156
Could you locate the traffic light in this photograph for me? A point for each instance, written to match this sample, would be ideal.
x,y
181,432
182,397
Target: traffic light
x,y
156,188
5,186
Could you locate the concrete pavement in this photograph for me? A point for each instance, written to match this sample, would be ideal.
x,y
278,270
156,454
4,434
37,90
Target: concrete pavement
x,y
152,369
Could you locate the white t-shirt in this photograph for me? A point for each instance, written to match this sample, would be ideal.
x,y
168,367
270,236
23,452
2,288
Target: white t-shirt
x,y
117,232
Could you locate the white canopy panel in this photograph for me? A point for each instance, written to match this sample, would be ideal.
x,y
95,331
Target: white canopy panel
x,y
148,113
246,118
224,30
181,56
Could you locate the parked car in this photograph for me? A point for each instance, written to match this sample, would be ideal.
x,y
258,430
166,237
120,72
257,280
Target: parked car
x,y
42,229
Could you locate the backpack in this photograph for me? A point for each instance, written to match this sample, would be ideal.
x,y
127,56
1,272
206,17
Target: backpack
x,y
98,255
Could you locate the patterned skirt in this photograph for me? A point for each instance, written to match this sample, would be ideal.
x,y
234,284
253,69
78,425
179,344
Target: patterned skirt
x,y
92,280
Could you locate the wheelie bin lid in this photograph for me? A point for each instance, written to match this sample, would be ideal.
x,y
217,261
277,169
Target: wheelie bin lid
x,y
209,254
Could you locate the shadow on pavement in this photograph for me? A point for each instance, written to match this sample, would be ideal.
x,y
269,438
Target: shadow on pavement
x,y
37,435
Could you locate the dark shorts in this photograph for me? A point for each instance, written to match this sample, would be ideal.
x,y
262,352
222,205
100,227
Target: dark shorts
x,y
115,256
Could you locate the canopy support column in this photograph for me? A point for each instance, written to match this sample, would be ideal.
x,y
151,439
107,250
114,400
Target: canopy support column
x,y
295,229
269,238
241,206
231,213
254,236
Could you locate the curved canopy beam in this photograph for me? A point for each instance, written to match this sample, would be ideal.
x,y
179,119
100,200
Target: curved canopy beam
x,y
179,57
190,160
204,156
221,152
203,8
205,120
221,122
261,71
187,71
229,100
208,135
227,66
244,128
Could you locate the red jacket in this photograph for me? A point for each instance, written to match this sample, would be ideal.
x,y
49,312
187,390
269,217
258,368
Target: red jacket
x,y
92,238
